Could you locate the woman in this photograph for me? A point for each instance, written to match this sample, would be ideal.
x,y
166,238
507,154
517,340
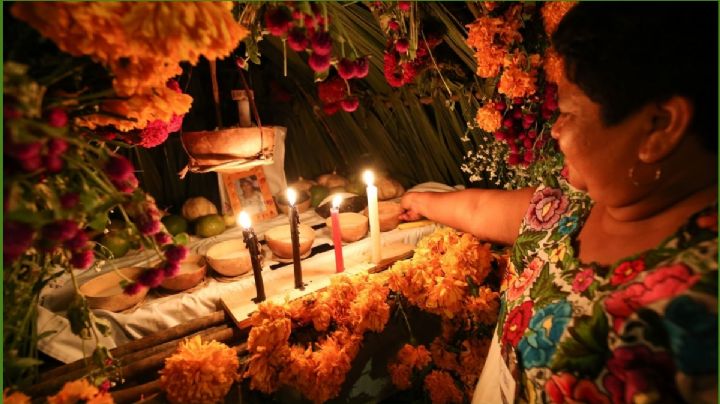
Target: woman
x,y
611,290
251,199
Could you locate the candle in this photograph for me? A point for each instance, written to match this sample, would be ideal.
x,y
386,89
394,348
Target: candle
x,y
337,241
252,245
295,237
372,191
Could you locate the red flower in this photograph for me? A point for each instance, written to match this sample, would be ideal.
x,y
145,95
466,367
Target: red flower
x,y
53,164
21,240
162,238
636,370
516,323
319,63
23,151
362,67
277,20
331,108
175,123
127,185
350,104
61,230
155,133
56,147
133,288
78,242
151,278
82,259
176,253
119,168
331,90
170,268
321,43
404,5
297,40
393,25
583,280
627,271
69,200
57,118
402,45
148,226
565,388
660,284
346,68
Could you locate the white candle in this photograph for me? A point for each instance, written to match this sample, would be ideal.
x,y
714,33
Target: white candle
x,y
371,191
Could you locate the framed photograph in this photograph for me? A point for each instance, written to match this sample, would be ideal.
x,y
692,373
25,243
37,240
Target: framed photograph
x,y
249,191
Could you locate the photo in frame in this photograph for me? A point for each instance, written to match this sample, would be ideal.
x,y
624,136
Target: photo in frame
x,y
249,191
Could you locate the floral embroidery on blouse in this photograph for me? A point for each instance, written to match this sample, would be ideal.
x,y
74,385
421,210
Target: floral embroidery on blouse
x,y
601,334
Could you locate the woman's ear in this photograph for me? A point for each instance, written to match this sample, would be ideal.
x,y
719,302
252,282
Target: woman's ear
x,y
671,120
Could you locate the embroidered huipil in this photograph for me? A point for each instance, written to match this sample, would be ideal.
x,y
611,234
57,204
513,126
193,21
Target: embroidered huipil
x,y
576,332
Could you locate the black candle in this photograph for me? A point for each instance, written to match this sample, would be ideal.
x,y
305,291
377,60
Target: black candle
x,y
295,238
251,242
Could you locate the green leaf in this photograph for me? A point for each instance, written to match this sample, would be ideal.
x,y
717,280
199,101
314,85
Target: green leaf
x,y
586,351
26,362
525,243
99,222
321,76
544,291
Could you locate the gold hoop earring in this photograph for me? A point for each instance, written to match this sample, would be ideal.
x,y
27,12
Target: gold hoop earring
x,y
642,174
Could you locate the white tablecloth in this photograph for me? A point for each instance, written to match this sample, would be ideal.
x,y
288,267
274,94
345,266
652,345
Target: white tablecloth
x,y
161,310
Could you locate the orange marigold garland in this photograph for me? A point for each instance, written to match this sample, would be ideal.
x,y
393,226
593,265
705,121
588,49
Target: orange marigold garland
x,y
442,388
80,391
553,12
15,397
317,369
199,372
409,358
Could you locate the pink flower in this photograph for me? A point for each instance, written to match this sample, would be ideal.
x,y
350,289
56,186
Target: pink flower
x,y
61,230
170,269
321,43
23,151
277,20
525,280
331,108
155,133
162,238
104,387
148,226
393,25
627,271
57,117
402,45
516,323
319,63
297,40
151,278
127,185
346,68
82,259
176,253
583,280
133,288
21,240
78,242
362,67
404,5
57,147
331,90
546,207
69,200
119,168
350,104
566,388
53,163
660,284
175,123
635,370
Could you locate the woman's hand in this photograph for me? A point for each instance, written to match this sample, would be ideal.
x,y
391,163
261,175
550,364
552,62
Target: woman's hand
x,y
410,203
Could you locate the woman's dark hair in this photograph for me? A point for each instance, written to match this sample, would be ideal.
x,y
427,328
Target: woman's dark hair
x,y
624,55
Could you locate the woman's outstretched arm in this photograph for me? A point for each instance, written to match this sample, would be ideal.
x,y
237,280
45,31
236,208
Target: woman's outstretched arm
x,y
492,215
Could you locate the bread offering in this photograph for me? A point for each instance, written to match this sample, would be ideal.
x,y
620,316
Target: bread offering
x,y
280,243
353,226
229,258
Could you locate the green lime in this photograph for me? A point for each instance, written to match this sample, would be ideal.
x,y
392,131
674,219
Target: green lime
x,y
115,243
174,224
317,194
209,225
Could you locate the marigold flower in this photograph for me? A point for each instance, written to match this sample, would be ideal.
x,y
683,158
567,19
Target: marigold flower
x,y
199,372
15,397
80,391
442,389
553,66
517,82
553,12
488,117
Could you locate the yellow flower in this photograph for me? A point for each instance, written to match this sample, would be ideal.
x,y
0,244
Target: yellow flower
x,y
199,372
16,397
442,389
558,253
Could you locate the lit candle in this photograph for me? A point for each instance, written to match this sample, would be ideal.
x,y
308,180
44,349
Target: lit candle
x,y
295,237
371,191
337,240
252,245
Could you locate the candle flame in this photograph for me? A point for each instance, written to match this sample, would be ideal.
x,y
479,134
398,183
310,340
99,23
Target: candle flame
x,y
336,201
368,177
244,220
291,196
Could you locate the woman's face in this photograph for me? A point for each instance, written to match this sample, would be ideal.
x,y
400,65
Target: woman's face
x,y
247,188
598,157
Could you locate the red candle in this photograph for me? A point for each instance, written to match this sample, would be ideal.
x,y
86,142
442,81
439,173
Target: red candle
x,y
337,240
